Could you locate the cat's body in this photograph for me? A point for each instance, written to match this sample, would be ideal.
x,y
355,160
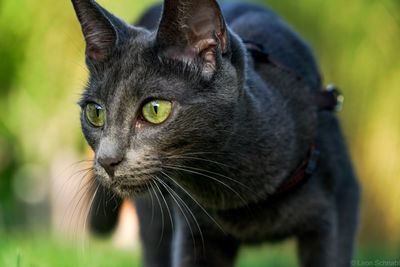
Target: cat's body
x,y
238,130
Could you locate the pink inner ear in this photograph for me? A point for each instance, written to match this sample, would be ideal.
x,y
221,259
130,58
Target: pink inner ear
x,y
95,53
203,45
204,27
192,29
202,24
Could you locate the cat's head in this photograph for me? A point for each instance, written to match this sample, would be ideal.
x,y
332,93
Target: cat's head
x,y
156,100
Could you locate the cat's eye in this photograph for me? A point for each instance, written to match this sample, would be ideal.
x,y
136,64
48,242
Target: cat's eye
x,y
95,115
157,111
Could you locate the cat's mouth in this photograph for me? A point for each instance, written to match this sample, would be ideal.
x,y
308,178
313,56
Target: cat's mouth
x,y
130,188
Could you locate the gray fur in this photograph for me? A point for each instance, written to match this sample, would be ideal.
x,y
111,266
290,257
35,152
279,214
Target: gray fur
x,y
239,134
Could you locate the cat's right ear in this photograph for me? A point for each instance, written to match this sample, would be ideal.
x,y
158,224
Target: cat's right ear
x,y
101,29
193,30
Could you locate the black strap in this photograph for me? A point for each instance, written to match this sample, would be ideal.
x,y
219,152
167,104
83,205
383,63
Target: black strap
x,y
328,99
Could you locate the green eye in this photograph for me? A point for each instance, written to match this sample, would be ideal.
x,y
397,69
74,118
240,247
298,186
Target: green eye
x,y
95,115
157,111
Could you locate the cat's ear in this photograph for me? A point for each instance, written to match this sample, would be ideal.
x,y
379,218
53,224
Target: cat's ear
x,y
101,29
193,29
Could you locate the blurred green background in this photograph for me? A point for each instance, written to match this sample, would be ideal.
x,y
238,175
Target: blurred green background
x,y
42,73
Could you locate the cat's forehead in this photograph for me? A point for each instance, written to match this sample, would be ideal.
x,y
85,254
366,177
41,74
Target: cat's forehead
x,y
136,72
132,54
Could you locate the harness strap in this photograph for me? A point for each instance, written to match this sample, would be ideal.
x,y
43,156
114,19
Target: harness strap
x,y
302,173
328,99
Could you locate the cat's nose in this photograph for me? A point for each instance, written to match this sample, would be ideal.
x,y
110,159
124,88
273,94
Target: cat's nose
x,y
110,154
109,163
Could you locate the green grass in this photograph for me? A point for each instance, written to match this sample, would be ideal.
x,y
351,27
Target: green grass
x,y
27,250
280,255
39,250
48,252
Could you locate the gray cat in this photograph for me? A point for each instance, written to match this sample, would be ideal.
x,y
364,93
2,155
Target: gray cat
x,y
211,120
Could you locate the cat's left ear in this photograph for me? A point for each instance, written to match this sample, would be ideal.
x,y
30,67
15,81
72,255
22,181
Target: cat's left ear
x,y
102,30
191,30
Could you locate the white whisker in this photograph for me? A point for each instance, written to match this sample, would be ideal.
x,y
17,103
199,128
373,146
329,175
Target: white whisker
x,y
173,194
200,206
207,176
166,204
162,214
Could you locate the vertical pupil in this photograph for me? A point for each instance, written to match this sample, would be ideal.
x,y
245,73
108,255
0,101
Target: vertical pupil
x,y
155,106
97,112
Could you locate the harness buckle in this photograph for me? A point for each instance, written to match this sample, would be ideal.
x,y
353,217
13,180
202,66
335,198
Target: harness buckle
x,y
337,95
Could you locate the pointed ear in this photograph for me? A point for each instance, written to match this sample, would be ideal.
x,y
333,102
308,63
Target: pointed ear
x,y
193,29
101,29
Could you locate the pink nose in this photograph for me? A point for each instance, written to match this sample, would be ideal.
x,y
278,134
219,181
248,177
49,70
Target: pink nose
x,y
109,163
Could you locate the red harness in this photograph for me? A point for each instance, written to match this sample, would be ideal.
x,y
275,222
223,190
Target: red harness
x,y
302,173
